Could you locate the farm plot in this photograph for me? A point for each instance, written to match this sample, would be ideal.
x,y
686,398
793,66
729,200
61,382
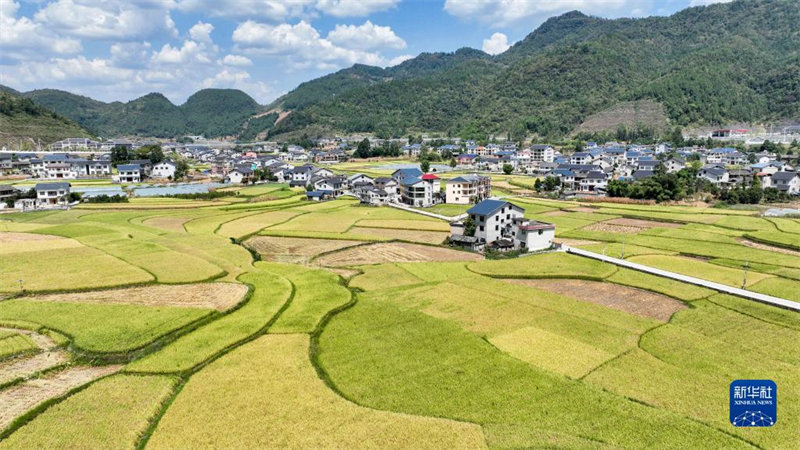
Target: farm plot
x,y
270,293
12,344
700,269
294,250
779,287
103,327
383,234
383,276
653,283
410,362
168,223
393,252
111,413
549,265
267,394
626,225
253,223
315,293
219,296
633,301
71,265
423,225
20,398
777,240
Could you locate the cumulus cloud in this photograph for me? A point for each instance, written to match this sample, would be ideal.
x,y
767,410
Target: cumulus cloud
x,y
282,10
500,13
110,19
301,45
22,38
707,2
189,53
354,8
237,60
496,44
201,32
398,59
365,37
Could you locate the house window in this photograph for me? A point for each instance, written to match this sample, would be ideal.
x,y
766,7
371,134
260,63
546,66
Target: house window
x,y
496,227
481,227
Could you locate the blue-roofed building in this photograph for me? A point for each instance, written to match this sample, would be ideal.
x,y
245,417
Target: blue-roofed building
x,y
419,191
401,174
501,225
50,195
129,173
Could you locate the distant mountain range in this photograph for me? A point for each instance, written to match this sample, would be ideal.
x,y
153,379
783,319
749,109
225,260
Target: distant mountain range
x,y
734,62
26,125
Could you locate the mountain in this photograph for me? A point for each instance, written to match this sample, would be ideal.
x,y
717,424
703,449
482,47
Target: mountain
x,y
209,112
734,62
23,124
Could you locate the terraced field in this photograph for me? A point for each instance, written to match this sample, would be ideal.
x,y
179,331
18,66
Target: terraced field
x,y
267,321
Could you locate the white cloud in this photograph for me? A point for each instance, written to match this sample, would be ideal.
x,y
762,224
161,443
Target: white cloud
x,y
282,10
354,8
496,44
365,37
189,53
300,45
398,59
201,32
110,19
22,38
498,13
237,60
239,79
707,2
130,54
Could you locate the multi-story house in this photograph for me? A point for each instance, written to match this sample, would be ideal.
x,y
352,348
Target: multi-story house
x,y
544,153
52,194
467,189
129,173
419,191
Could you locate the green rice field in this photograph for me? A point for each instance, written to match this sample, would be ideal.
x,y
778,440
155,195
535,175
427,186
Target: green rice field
x,y
358,327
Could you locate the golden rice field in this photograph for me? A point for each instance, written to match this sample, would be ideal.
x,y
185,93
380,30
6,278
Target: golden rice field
x,y
265,321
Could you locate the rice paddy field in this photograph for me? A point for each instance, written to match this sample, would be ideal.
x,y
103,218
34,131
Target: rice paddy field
x,y
262,320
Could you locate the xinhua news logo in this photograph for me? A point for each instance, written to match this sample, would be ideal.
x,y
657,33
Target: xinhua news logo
x,y
754,403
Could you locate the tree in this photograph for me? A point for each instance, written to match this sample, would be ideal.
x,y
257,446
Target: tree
x,y
285,148
507,169
156,154
425,166
469,227
537,185
453,162
181,169
363,149
119,155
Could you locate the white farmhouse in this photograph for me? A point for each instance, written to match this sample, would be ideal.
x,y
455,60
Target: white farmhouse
x,y
50,195
164,169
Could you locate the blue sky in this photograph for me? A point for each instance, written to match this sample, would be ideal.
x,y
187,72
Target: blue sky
x,y
119,50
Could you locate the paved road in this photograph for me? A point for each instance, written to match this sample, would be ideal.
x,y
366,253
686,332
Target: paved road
x,y
763,298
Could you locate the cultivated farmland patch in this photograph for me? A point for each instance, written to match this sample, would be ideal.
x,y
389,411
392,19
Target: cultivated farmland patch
x,y
771,248
219,296
394,252
20,398
427,237
294,250
622,298
168,223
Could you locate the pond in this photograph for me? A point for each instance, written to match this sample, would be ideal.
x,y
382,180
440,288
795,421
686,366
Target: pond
x,y
159,190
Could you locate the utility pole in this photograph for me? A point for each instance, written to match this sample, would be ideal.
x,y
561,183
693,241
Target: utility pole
x,y
744,279
623,247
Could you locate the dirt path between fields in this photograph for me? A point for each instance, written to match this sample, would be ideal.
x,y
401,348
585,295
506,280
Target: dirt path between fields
x,y
25,366
21,398
772,248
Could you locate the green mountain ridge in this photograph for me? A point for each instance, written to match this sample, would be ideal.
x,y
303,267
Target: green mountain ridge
x,y
209,112
24,125
735,62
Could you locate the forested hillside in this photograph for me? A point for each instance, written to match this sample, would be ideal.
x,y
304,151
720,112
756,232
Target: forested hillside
x,y
705,65
209,112
24,124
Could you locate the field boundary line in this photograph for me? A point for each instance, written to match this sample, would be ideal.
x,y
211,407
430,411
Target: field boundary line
x,y
755,296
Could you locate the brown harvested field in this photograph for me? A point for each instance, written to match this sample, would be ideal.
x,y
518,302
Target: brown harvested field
x,y
557,212
583,209
629,226
643,223
771,248
575,242
634,301
21,398
219,296
294,250
394,252
173,224
23,237
24,367
427,237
